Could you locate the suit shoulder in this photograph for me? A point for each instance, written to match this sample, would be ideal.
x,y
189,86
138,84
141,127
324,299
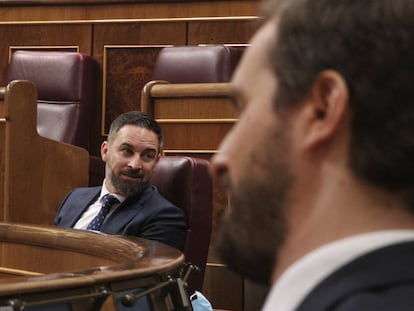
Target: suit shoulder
x,y
158,203
83,190
83,193
399,297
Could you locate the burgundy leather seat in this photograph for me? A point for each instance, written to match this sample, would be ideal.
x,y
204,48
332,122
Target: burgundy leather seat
x,y
66,83
196,64
186,182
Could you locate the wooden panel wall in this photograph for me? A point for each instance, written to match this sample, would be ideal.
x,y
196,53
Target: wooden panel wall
x,y
125,50
117,10
125,39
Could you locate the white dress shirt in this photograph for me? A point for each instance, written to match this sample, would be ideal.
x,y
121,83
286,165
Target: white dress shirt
x,y
300,278
95,207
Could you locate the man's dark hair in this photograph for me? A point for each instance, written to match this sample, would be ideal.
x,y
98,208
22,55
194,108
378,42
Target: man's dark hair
x,y
371,44
140,119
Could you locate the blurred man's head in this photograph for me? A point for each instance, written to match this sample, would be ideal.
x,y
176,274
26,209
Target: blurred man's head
x,y
320,76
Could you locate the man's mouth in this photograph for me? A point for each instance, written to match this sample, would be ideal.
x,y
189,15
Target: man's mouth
x,y
132,176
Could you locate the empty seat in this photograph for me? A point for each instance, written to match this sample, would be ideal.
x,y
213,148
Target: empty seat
x,y
66,83
196,64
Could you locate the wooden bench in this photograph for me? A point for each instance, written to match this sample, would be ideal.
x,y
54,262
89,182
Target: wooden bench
x,y
194,116
35,172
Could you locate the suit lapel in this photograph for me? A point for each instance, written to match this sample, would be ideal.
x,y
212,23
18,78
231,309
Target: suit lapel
x,y
80,203
129,209
382,267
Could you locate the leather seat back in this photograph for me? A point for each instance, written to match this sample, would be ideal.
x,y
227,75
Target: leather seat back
x,y
196,64
186,182
66,83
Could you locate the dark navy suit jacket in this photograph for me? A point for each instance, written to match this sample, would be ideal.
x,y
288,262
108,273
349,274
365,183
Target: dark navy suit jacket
x,y
149,216
382,280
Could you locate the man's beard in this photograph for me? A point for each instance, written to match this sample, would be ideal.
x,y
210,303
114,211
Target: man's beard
x,y
128,188
254,229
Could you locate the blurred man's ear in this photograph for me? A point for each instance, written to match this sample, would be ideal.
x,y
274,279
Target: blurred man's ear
x,y
326,108
158,157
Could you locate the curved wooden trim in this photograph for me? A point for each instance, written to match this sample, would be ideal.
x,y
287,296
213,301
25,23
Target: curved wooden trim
x,y
18,271
132,20
135,258
161,90
2,92
82,2
146,104
96,244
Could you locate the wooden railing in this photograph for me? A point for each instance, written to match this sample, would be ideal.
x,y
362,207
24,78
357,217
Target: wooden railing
x,y
43,266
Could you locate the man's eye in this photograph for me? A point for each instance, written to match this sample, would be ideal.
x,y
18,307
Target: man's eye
x,y
149,156
127,151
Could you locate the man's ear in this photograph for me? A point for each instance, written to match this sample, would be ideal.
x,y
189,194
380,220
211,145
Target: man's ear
x,y
104,150
326,108
158,158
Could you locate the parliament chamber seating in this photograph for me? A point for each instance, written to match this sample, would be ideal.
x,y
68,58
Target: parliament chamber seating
x,y
185,180
189,95
35,172
188,92
66,83
67,86
185,64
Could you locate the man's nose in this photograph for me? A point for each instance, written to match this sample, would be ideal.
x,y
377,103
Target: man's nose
x,y
135,162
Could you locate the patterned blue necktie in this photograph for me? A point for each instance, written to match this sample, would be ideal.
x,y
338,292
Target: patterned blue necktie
x,y
107,201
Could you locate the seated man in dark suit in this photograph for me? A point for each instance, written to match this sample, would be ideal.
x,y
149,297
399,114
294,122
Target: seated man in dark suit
x,y
134,207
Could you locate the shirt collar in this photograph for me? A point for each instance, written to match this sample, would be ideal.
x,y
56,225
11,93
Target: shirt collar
x,y
104,191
